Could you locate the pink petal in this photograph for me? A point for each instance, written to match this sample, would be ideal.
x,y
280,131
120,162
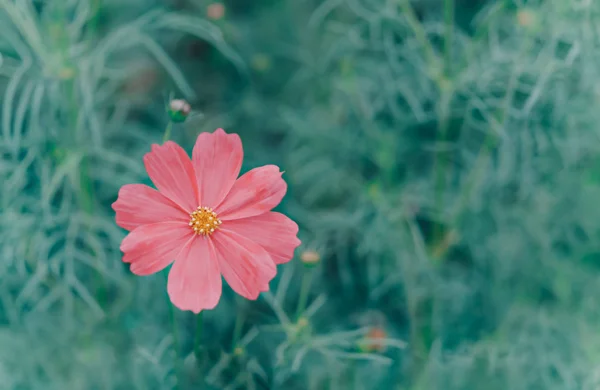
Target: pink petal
x,y
150,248
273,231
254,193
217,160
138,204
172,173
245,265
194,280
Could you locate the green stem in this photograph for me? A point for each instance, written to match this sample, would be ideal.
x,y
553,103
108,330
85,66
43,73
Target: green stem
x,y
198,348
198,337
93,21
168,131
176,348
304,290
490,142
441,161
449,22
420,34
474,175
87,201
237,330
421,337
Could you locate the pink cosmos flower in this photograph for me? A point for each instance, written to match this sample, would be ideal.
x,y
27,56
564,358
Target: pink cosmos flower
x,y
207,220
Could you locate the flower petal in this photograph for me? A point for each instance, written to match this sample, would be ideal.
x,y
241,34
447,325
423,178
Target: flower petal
x,y
273,231
172,173
194,280
138,204
217,160
150,248
254,193
245,265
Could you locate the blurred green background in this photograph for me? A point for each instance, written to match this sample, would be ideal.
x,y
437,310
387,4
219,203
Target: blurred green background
x,y
443,167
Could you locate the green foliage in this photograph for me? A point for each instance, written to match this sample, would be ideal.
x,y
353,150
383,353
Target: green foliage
x,y
441,158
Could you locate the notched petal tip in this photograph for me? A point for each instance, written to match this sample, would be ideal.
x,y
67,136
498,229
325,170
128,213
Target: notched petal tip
x,y
123,192
128,243
293,226
157,147
146,158
296,242
223,136
193,309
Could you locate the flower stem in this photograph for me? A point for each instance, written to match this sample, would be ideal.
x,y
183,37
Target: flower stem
x,y
95,13
177,362
237,330
449,24
198,338
441,161
304,289
198,348
168,131
419,32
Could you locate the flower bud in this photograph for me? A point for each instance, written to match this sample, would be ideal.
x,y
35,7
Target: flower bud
x,y
372,342
310,258
67,73
261,62
302,322
526,18
215,11
179,110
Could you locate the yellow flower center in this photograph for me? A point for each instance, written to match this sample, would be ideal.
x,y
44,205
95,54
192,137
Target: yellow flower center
x,y
204,221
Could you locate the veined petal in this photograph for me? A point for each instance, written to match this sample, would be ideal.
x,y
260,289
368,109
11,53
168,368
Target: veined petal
x,y
254,193
172,173
194,279
273,231
138,204
217,159
151,248
245,265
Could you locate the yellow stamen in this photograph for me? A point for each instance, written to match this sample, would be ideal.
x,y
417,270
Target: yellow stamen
x,y
204,221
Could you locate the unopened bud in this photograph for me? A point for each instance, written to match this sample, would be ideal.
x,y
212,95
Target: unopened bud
x,y
302,322
66,73
215,11
310,258
261,62
372,341
179,110
526,18
238,351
